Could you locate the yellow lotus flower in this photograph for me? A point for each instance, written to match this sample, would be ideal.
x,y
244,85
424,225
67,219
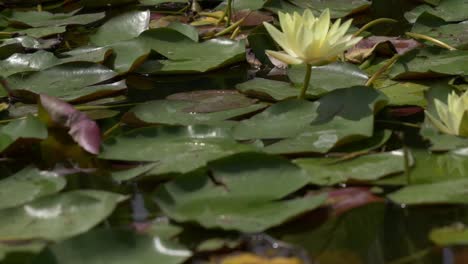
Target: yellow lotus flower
x,y
310,40
453,116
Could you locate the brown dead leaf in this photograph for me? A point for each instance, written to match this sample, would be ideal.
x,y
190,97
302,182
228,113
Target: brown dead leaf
x,y
380,44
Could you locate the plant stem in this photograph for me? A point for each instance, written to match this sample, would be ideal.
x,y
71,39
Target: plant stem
x,y
380,71
373,23
302,95
229,13
431,39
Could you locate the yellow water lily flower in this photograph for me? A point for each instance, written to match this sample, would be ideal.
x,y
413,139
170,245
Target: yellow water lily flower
x,y
310,40
453,116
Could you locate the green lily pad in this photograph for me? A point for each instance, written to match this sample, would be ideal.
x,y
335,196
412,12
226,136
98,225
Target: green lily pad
x,y
124,26
57,216
19,44
188,30
455,235
44,18
453,34
269,89
433,168
440,141
41,60
184,55
201,107
64,81
448,10
327,78
430,62
19,62
30,127
206,56
243,4
330,171
447,192
239,195
282,120
114,247
338,8
403,93
125,175
27,185
41,32
86,53
342,116
176,149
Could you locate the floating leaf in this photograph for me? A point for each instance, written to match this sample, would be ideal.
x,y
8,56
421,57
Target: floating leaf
x,y
338,8
448,192
330,171
28,128
124,26
329,77
44,19
57,216
116,247
27,185
176,149
200,107
239,195
430,62
269,89
448,10
453,34
455,235
65,81
342,116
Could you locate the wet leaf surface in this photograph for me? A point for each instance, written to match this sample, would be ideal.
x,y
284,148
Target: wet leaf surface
x,y
142,131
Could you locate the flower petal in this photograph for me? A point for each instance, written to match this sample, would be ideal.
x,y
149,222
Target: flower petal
x,y
282,56
439,125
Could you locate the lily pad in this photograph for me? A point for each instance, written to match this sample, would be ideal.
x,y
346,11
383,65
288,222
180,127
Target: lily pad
x,y
447,192
19,44
342,116
453,34
41,32
338,8
64,81
239,195
27,185
112,246
455,235
124,26
200,107
28,128
432,168
330,171
57,217
44,18
176,149
269,89
448,10
184,55
327,78
430,62
282,120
